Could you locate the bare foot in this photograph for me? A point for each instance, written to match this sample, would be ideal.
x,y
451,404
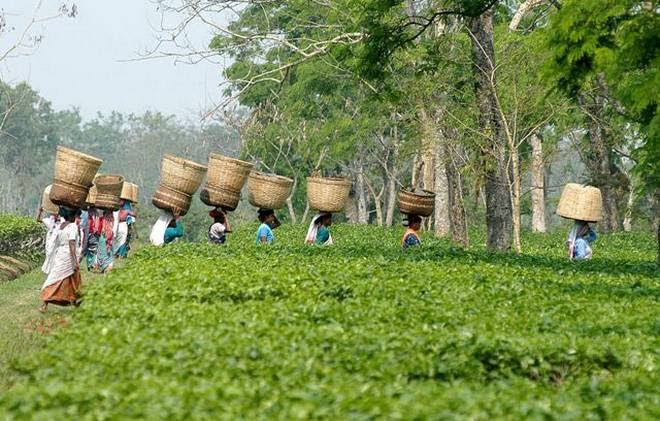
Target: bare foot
x,y
43,307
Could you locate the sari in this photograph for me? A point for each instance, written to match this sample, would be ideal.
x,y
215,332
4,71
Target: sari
x,y
317,234
62,286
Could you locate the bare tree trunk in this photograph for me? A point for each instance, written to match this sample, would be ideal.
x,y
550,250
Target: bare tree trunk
x,y
498,199
351,210
627,220
442,224
361,194
289,203
525,7
377,202
457,220
538,185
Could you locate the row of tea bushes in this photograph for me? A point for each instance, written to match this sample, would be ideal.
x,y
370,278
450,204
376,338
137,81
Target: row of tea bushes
x,y
21,245
358,330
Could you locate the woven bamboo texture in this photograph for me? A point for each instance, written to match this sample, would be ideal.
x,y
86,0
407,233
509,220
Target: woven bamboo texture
x,y
182,175
421,204
226,199
227,173
582,203
46,204
268,191
171,200
75,168
91,196
328,194
68,195
130,192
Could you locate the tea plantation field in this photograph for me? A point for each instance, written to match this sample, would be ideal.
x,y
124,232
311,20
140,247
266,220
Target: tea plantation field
x,y
358,330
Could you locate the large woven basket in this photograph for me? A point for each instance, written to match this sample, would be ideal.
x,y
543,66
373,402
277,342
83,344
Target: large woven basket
x,y
226,199
328,194
182,175
46,204
108,190
91,197
582,203
68,195
421,204
227,173
75,168
171,200
130,191
268,191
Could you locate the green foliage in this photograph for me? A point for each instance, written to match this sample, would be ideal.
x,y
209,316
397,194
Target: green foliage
x,y
619,39
356,330
21,237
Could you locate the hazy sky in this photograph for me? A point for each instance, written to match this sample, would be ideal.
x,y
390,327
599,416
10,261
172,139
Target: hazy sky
x,y
79,60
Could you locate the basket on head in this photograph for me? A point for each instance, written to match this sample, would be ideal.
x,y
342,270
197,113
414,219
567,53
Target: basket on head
x,y
129,191
268,191
328,194
91,197
421,204
68,195
46,204
171,200
108,190
226,199
227,173
182,175
75,168
582,203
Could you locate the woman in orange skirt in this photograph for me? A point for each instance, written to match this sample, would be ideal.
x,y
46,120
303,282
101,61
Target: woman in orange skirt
x,y
62,286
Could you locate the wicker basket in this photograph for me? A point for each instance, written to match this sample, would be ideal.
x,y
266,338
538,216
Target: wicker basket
x,y
130,191
266,191
226,199
108,189
75,168
69,195
328,194
421,204
171,200
227,173
91,197
181,174
46,204
582,203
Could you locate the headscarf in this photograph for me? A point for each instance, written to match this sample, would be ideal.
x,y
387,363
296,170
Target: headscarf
x,y
313,230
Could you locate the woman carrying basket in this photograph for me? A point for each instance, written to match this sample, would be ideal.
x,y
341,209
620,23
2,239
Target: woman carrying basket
x,y
62,286
220,228
319,232
411,236
579,241
268,223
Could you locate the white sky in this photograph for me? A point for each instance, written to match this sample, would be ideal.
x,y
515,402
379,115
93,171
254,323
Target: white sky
x,y
78,63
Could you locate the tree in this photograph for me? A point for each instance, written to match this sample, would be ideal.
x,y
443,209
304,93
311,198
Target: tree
x,y
612,46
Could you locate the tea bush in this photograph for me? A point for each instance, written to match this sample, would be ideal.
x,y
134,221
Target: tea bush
x,y
20,238
358,330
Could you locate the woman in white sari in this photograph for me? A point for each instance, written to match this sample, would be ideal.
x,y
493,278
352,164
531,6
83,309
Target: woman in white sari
x,y
318,232
62,286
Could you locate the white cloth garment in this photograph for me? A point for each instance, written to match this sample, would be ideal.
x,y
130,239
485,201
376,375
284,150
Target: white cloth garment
x,y
52,224
157,236
121,236
313,230
60,264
